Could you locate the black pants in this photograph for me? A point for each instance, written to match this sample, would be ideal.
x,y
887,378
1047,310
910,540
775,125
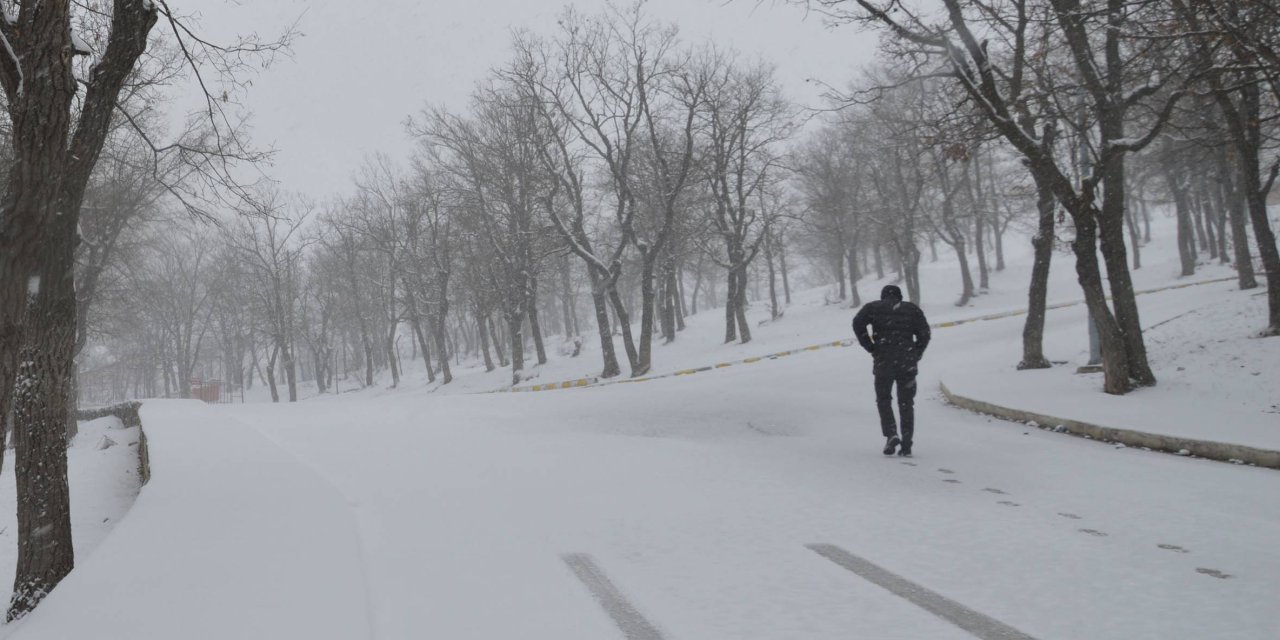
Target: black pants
x,y
906,405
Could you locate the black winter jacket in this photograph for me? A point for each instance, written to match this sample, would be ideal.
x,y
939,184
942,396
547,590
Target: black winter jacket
x,y
900,334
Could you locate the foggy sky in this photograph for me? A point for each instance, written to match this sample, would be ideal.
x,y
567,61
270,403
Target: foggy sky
x,y
361,68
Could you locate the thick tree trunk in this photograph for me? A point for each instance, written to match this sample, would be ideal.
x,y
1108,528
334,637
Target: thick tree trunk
x,y
731,304
677,288
998,231
740,307
439,332
1240,236
1266,241
271,373
1038,291
600,304
1186,232
624,327
535,329
515,327
647,297
1111,233
966,276
667,303
41,405
497,343
567,307
290,371
855,274
426,350
1115,358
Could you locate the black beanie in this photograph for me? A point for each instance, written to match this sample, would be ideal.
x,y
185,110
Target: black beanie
x,y
891,292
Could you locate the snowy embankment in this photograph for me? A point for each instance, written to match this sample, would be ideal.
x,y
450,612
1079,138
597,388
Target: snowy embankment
x,y
1217,380
102,470
202,551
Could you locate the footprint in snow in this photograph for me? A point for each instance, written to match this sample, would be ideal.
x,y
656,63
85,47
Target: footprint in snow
x,y
1094,532
1007,503
946,471
1071,516
910,464
1173,547
1214,573
995,491
952,481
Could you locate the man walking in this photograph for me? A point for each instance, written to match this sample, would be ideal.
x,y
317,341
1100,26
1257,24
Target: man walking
x,y
900,334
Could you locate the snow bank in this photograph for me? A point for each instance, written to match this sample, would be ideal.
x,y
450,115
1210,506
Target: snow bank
x,y
1217,381
216,546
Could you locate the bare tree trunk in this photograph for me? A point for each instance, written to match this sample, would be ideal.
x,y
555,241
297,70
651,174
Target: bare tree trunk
x,y
41,403
731,305
647,298
515,333
839,265
774,312
1240,236
1038,292
677,286
497,343
567,306
416,322
1197,216
851,256
1111,233
484,343
1186,232
439,331
667,301
600,304
966,276
740,307
1131,219
535,325
271,373
786,280
624,326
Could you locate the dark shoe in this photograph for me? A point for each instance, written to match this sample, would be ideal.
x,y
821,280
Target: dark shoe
x,y
906,450
891,445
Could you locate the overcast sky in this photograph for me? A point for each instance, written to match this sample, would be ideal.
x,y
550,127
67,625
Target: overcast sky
x,y
361,68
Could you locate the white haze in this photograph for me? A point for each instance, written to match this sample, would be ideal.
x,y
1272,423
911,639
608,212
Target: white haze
x,y
360,69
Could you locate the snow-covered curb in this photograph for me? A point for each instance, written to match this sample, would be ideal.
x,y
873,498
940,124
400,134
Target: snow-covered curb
x,y
1220,451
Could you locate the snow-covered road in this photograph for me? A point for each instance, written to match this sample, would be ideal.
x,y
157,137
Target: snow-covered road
x,y
708,507
697,498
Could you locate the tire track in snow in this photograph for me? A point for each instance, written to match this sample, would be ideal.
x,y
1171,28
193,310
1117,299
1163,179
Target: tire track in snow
x,y
357,524
978,624
631,622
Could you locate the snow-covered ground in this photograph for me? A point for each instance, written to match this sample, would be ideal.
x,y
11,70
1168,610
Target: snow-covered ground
x,y
406,516
104,482
1217,380
686,507
815,316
